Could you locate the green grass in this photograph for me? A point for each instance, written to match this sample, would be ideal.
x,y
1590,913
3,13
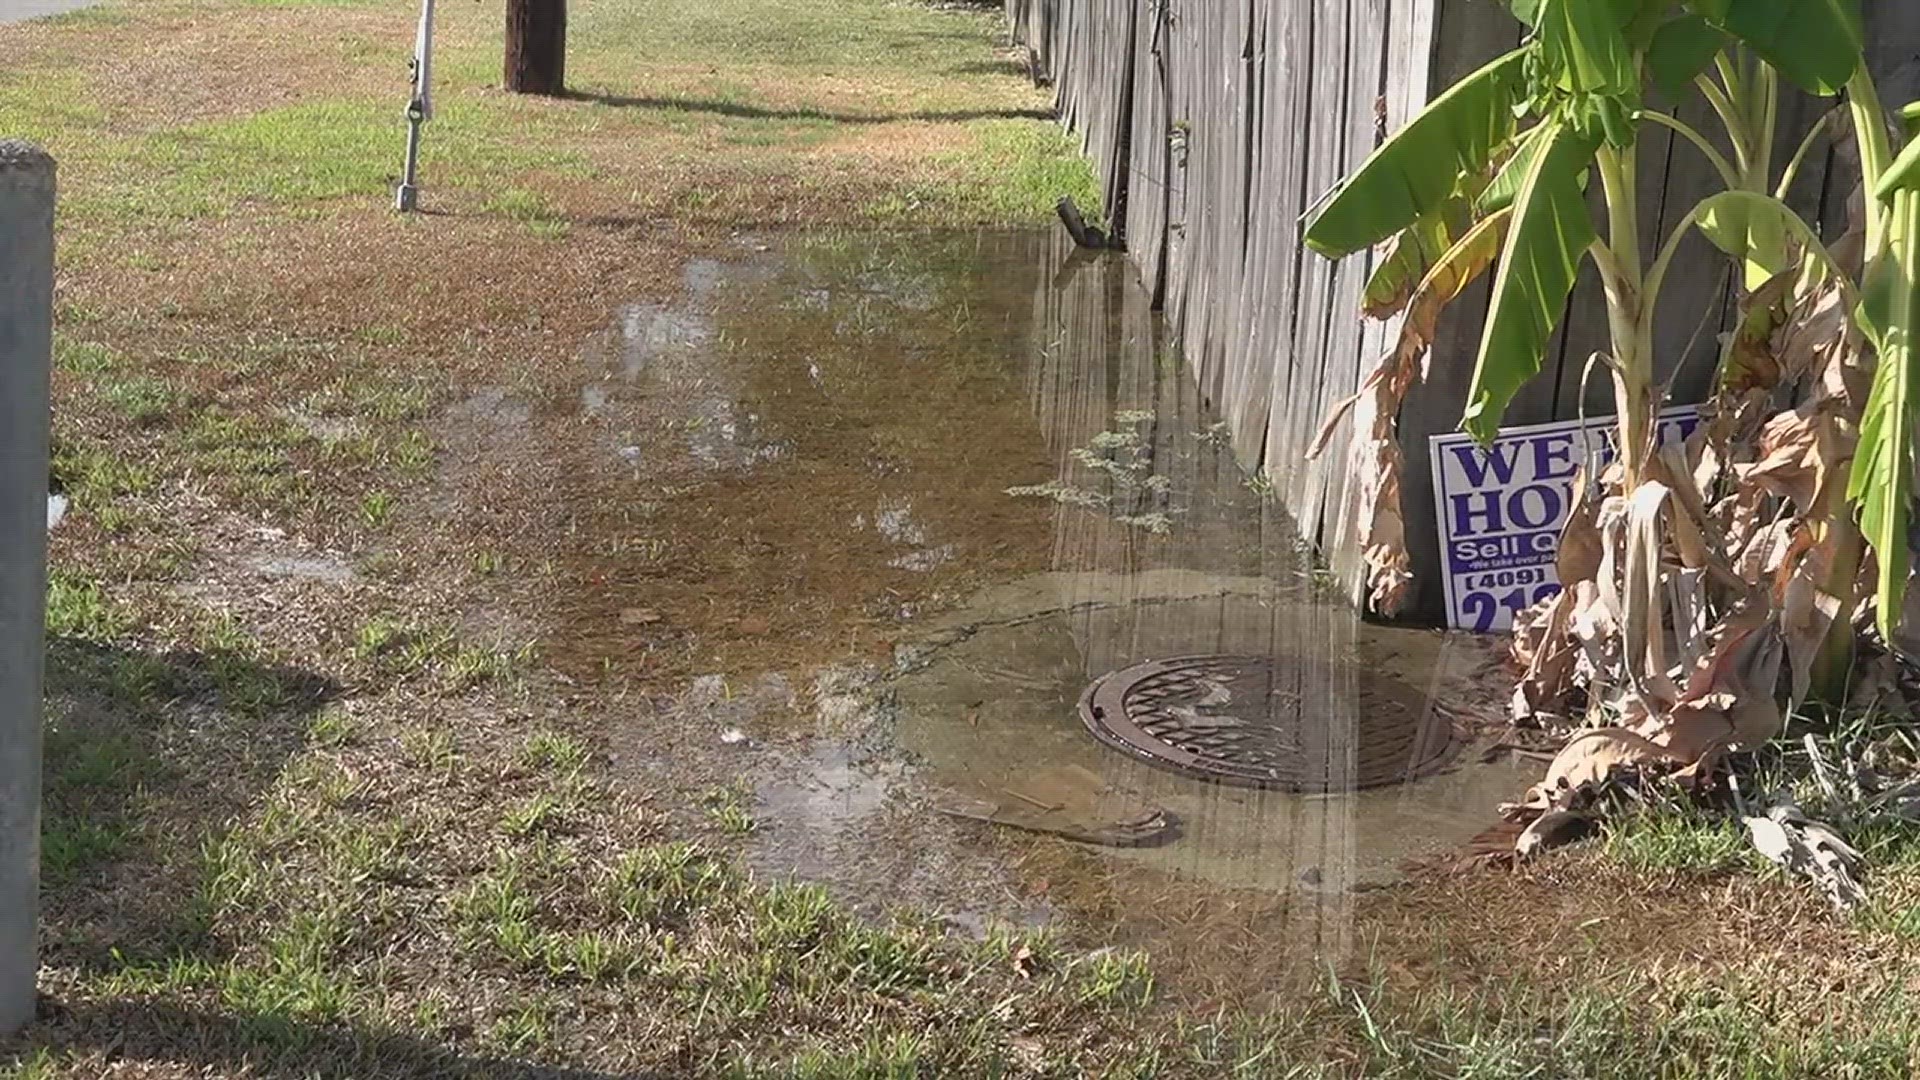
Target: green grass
x,y
1017,170
376,507
530,209
143,399
741,35
554,751
296,156
80,608
82,357
333,726
1683,840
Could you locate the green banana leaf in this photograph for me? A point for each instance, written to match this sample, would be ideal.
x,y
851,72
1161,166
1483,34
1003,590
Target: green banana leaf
x,y
1753,228
1682,49
1816,44
1418,169
1583,42
1413,253
1882,480
1626,13
1506,183
1549,236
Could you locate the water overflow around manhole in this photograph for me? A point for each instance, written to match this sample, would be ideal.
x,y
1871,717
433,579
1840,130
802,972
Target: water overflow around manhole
x,y
966,474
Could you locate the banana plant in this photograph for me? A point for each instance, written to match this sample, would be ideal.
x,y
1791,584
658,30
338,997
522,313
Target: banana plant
x,y
1534,128
1526,135
1889,313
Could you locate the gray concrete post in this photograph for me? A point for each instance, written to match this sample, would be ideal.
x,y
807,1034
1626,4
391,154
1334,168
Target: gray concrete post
x,y
26,359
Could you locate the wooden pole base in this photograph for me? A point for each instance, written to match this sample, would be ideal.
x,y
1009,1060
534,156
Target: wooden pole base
x,y
536,60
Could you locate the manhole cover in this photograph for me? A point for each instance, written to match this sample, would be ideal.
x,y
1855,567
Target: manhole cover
x,y
1249,721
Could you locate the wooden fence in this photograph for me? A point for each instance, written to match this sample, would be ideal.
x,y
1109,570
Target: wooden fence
x,y
1215,124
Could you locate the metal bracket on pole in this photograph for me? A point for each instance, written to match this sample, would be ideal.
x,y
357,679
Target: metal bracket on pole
x,y
26,361
407,198
419,110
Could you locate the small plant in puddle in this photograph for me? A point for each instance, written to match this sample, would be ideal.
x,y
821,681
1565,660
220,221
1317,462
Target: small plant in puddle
x,y
1135,495
1065,494
1114,978
1217,436
729,809
1159,524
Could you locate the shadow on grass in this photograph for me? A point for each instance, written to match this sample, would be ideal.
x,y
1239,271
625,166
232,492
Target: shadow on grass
x,y
146,752
991,67
219,1044
742,111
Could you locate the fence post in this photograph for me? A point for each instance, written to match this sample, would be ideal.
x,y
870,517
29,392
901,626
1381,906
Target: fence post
x,y
26,358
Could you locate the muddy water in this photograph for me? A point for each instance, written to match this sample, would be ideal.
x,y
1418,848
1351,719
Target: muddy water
x,y
867,515
22,10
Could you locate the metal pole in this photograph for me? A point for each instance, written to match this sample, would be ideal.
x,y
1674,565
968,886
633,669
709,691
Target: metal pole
x,y
26,357
419,110
407,198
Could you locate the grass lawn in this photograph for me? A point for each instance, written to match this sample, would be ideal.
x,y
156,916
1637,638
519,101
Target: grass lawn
x,y
354,822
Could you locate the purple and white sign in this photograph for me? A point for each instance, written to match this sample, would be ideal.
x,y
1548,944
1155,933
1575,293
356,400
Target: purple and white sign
x,y
1501,511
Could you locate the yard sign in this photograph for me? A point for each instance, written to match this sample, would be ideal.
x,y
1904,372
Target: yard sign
x,y
1501,511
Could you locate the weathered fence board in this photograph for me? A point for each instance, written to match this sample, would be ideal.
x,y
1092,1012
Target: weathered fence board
x,y
1216,126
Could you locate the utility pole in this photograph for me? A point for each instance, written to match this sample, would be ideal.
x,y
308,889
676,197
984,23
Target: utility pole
x,y
26,359
536,60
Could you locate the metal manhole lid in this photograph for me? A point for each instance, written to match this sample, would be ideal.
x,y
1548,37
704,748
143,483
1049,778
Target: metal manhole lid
x,y
1255,722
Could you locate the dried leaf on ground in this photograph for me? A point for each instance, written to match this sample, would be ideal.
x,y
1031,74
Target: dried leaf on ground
x,y
1588,760
1555,828
1812,849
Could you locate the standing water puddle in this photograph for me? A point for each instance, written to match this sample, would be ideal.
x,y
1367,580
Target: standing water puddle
x,y
964,478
